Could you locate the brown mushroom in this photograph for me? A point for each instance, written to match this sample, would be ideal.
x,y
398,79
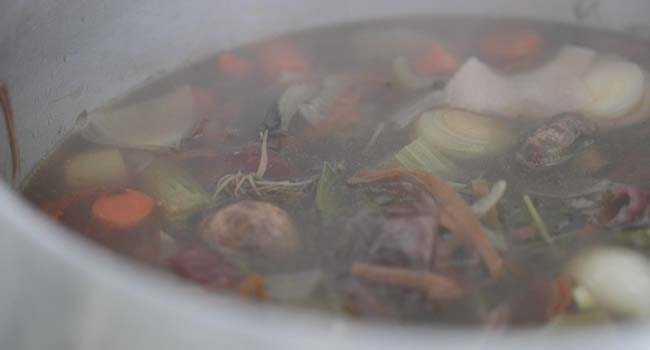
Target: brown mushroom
x,y
251,227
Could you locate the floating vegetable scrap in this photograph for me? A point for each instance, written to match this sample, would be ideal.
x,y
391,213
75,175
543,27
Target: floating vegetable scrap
x,y
537,220
555,142
329,190
399,227
433,66
251,227
486,205
205,267
437,59
405,78
253,288
254,186
176,193
94,169
437,287
455,214
626,206
160,123
463,135
335,108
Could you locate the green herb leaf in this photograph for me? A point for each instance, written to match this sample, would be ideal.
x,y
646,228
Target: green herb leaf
x,y
637,238
329,192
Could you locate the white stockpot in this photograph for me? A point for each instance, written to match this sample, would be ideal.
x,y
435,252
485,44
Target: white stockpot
x,y
60,57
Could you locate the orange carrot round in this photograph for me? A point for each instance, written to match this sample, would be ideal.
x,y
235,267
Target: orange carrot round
x,y
436,60
253,288
233,66
122,211
281,57
512,46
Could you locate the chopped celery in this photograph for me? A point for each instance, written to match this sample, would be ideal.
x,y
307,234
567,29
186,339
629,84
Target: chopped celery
x,y
420,156
537,219
638,238
94,169
177,195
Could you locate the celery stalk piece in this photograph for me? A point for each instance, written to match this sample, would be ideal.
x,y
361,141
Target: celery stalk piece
x,y
422,157
177,194
94,169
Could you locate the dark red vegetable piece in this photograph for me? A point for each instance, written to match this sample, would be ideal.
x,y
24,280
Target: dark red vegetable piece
x,y
403,232
206,268
626,206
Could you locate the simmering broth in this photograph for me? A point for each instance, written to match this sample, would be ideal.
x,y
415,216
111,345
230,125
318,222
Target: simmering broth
x,y
444,170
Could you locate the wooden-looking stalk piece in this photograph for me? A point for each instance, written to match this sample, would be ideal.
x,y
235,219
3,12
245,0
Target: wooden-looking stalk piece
x,y
5,103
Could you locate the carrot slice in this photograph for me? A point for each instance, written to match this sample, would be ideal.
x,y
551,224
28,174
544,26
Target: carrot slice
x,y
281,57
436,60
560,296
438,287
511,46
233,66
253,288
122,211
455,214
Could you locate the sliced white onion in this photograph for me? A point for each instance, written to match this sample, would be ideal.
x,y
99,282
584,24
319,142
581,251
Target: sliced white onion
x,y
477,88
618,279
405,115
318,108
463,135
557,86
610,91
154,124
616,87
554,88
292,99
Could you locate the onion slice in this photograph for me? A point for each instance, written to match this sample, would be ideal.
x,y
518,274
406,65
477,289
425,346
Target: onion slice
x,y
158,123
